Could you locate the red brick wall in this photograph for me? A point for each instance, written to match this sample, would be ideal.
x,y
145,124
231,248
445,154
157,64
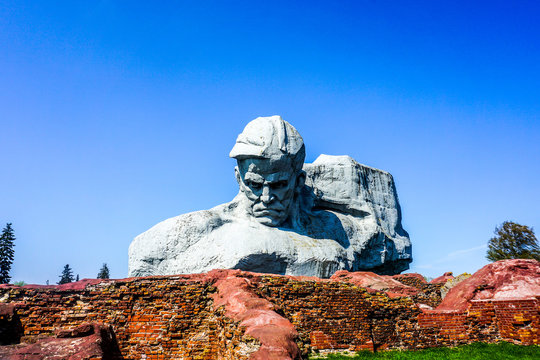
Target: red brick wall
x,y
158,317
519,320
174,317
486,320
338,315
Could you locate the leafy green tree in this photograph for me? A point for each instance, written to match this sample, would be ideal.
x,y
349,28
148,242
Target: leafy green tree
x,y
103,272
67,275
6,253
513,241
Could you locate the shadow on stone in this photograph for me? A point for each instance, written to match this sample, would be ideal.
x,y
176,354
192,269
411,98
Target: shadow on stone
x,y
11,328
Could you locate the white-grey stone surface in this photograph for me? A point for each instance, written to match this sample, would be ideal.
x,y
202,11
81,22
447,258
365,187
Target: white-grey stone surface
x,y
335,214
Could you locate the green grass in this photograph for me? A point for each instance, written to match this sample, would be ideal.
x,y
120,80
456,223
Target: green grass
x,y
476,351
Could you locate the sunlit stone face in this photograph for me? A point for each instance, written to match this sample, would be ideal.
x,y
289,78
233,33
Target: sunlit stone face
x,y
270,188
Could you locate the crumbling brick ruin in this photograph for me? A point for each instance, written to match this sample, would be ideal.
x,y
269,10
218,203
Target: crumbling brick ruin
x,y
229,314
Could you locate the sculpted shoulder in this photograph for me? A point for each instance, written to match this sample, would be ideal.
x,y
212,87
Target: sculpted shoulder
x,y
175,235
181,228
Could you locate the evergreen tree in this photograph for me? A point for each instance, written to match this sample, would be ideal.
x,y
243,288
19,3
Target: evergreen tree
x,y
513,241
77,278
67,275
103,272
6,253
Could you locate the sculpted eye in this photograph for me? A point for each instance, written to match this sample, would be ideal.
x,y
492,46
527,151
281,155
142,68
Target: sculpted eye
x,y
254,185
279,185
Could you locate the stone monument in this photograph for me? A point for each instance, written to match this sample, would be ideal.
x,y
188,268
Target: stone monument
x,y
288,217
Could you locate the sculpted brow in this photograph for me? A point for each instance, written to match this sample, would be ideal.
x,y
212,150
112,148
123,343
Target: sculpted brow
x,y
254,177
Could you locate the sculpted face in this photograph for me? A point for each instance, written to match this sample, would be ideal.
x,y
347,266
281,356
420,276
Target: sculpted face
x,y
270,187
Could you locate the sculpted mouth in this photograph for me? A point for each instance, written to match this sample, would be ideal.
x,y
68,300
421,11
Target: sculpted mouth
x,y
274,208
267,212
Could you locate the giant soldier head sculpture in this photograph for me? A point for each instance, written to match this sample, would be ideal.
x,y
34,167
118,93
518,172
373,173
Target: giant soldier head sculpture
x,y
288,217
270,155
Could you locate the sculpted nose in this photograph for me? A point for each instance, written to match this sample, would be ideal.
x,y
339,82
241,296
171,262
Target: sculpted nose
x,y
266,197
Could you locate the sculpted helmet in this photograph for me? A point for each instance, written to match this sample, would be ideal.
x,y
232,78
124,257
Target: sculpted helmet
x,y
270,138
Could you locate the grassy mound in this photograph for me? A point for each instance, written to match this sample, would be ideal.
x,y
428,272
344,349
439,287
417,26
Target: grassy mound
x,y
476,351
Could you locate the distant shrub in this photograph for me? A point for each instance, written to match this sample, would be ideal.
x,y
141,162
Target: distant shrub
x,y
513,241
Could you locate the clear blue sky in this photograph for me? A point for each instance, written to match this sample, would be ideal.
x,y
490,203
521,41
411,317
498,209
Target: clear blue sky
x,y
115,115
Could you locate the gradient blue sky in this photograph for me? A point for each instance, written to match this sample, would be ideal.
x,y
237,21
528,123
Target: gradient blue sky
x,y
115,115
